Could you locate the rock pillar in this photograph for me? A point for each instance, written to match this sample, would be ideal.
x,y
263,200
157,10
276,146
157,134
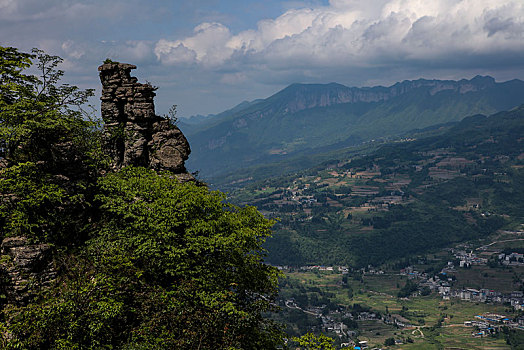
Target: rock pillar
x,y
134,134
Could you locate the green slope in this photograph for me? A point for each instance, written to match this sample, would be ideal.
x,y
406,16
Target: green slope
x,y
400,199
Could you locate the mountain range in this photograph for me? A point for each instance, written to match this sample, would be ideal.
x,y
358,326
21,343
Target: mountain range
x,y
305,119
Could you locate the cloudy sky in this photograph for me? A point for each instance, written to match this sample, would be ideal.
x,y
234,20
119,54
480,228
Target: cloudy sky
x,y
209,55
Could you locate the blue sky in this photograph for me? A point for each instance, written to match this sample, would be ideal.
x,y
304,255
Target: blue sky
x,y
209,55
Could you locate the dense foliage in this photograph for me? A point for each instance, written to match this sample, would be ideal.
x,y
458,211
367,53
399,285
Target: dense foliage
x,y
311,342
143,261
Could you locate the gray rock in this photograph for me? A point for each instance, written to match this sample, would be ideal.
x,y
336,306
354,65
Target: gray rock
x,y
134,134
26,268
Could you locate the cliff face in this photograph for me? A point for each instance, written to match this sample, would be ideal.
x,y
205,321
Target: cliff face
x,y
299,97
306,96
311,118
134,134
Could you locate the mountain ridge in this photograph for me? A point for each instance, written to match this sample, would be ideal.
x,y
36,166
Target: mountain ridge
x,y
364,94
307,116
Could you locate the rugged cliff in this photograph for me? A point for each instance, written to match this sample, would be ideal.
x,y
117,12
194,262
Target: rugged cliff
x,y
304,119
133,135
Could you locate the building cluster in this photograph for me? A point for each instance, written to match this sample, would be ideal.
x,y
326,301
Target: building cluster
x,y
513,259
443,281
444,287
515,299
468,259
339,269
488,324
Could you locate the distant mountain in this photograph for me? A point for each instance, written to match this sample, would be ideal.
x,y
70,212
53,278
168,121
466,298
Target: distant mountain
x,y
309,118
196,119
194,123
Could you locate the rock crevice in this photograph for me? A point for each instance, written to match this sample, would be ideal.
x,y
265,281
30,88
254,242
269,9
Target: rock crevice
x,y
26,267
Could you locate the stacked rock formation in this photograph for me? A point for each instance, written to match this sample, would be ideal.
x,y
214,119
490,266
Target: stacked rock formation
x,y
134,134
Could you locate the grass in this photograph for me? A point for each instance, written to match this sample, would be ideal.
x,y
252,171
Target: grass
x,y
376,332
461,338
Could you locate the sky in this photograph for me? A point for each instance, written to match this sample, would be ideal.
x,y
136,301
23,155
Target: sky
x,y
208,55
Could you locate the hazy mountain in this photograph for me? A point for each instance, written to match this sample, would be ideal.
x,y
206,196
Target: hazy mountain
x,y
306,118
195,122
196,119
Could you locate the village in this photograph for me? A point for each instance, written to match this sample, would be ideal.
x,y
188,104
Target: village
x,y
345,200
339,184
443,281
341,321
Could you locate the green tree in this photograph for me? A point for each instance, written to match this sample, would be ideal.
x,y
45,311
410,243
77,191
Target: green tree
x,y
409,288
310,341
49,150
143,261
389,342
170,266
39,119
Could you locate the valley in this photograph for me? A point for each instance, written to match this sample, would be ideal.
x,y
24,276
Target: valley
x,y
418,242
308,119
404,198
427,302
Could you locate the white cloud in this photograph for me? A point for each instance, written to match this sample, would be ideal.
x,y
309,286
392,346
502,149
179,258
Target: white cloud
x,y
208,45
7,4
73,50
360,33
354,42
138,51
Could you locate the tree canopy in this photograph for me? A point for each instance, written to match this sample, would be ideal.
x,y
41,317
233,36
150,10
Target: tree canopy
x,y
143,261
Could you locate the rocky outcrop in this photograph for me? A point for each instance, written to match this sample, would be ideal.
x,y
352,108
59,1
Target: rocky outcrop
x,y
134,134
26,268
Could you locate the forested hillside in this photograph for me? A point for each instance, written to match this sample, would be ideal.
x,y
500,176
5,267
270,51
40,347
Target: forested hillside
x,y
406,197
107,242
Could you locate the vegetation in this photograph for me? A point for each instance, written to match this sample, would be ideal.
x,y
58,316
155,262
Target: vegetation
x,y
400,199
389,342
311,342
143,261
437,323
49,149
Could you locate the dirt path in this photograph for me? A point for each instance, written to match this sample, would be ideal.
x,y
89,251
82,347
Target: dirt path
x,y
418,329
484,247
290,306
